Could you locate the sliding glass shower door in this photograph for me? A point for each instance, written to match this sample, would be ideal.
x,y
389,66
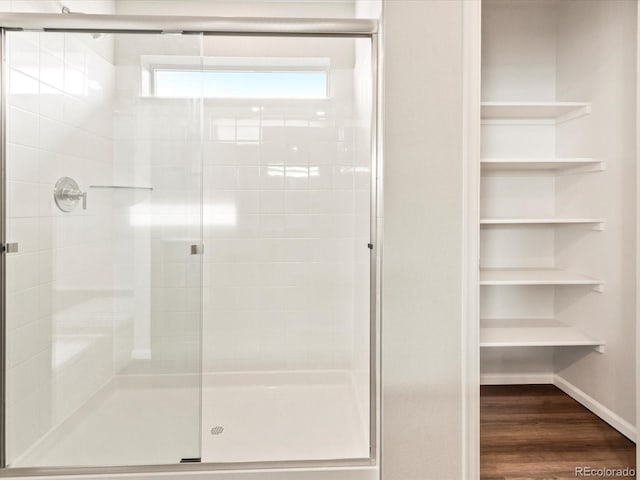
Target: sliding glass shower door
x,y
190,226
287,228
103,317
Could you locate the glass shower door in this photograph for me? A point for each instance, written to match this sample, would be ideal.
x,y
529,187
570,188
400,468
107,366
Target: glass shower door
x,y
190,221
287,321
104,225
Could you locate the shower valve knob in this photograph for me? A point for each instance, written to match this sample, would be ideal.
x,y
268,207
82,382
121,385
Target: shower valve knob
x,y
67,195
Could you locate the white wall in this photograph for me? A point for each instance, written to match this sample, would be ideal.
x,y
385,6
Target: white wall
x,y
508,29
59,285
606,76
422,268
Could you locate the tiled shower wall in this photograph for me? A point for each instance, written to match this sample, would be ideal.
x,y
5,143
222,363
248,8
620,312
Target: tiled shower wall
x,y
282,270
279,276
285,189
59,284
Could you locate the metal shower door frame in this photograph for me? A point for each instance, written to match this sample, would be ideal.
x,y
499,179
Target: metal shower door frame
x,y
208,26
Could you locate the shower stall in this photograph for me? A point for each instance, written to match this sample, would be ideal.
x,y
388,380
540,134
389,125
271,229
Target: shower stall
x,y
189,243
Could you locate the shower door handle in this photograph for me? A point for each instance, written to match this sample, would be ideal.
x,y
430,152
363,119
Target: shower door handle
x,y
10,247
197,249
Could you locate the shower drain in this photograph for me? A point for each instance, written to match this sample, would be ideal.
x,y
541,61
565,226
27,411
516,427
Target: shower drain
x,y
217,430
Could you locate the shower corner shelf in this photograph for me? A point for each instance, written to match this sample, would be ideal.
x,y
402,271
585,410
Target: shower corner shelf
x,y
122,187
500,333
553,112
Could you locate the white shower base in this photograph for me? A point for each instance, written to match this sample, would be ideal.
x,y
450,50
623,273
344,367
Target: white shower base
x,y
155,419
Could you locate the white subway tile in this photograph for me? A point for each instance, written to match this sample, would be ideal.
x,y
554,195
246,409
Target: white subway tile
x,y
24,231
272,201
75,111
323,153
50,167
45,201
296,201
217,177
272,177
247,131
45,267
22,163
22,199
246,154
52,71
297,177
53,43
273,130
320,201
25,423
45,300
75,81
22,127
273,153
174,299
343,177
23,91
246,201
75,52
22,308
174,274
320,177
22,52
28,377
27,341
193,299
53,136
248,177
272,225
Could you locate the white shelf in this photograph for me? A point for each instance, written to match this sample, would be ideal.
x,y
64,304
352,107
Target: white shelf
x,y
533,333
534,276
555,165
555,111
598,222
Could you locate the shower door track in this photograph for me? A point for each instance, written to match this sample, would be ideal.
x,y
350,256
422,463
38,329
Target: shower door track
x,y
227,26
90,23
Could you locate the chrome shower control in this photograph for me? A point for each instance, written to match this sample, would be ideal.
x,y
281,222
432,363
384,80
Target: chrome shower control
x,y
67,194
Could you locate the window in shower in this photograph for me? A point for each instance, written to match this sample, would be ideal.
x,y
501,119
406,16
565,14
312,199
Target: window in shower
x,y
240,78
230,84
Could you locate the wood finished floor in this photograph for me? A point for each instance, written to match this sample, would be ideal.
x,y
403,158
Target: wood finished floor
x,y
539,432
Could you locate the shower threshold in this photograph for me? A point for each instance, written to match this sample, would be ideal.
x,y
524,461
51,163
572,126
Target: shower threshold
x,y
246,417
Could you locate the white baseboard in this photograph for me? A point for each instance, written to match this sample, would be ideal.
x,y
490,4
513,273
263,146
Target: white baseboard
x,y
617,422
515,378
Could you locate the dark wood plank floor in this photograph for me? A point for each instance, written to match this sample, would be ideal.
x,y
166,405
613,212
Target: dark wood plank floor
x,y
539,432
